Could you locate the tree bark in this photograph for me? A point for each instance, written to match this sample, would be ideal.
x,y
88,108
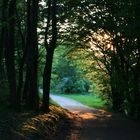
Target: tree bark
x,y
50,51
32,53
3,31
22,61
47,79
116,89
10,54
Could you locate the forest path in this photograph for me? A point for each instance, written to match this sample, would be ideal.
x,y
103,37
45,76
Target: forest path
x,y
94,124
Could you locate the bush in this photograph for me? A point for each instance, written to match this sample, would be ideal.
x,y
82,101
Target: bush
x,y
70,85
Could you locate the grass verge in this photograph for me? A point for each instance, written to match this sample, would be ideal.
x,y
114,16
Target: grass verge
x,y
89,100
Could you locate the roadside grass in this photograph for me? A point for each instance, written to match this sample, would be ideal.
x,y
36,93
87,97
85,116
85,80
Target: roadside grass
x,y
89,100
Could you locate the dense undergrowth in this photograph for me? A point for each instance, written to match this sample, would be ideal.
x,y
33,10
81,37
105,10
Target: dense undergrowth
x,y
28,125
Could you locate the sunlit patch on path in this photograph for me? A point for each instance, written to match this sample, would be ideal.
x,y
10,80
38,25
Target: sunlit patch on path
x,y
88,116
95,124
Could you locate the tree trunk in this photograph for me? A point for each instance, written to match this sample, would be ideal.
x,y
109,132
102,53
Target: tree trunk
x,y
26,89
135,107
49,57
47,79
22,61
10,55
32,52
3,32
135,104
116,89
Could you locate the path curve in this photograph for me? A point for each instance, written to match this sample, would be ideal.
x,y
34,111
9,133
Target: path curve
x,y
71,104
98,124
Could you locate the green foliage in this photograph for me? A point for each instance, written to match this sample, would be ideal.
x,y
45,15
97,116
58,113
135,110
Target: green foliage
x,y
67,79
99,51
112,29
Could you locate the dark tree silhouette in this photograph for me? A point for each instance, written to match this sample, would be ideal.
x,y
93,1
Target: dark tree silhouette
x,y
50,47
32,53
10,53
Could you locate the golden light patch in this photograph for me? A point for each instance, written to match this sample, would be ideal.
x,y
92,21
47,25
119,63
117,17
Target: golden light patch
x,y
87,116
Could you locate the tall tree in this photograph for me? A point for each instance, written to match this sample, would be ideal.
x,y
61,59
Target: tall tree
x,y
23,54
10,53
32,53
3,31
135,107
50,47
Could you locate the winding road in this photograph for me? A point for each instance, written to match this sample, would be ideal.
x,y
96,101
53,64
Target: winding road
x,y
71,104
98,124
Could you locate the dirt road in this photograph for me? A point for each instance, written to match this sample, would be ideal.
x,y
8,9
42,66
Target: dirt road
x,y
96,124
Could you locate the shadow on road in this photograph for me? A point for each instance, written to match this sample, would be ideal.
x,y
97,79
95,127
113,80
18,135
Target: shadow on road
x,y
94,124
